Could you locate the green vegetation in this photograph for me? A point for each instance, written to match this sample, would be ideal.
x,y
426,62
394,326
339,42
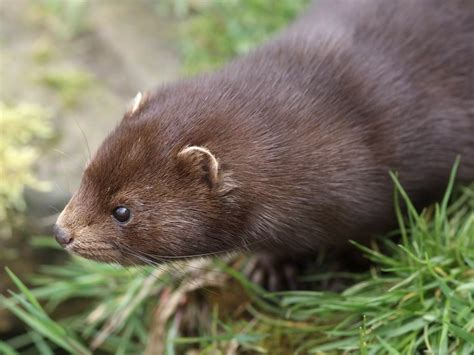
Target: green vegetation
x,y
43,51
22,127
418,296
69,84
223,29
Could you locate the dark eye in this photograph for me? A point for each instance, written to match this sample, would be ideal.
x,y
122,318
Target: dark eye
x,y
121,214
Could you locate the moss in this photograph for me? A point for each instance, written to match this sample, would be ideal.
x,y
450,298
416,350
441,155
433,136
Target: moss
x,y
22,127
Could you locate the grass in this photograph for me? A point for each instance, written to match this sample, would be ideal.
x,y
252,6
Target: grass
x,y
417,297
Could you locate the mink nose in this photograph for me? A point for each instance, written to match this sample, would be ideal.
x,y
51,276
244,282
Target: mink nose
x,y
61,236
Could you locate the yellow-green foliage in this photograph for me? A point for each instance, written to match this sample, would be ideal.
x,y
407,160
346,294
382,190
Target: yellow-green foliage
x,y
21,127
68,83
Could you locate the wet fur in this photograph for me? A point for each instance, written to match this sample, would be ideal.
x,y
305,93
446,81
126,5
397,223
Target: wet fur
x,y
304,130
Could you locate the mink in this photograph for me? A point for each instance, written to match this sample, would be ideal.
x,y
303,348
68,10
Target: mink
x,y
288,149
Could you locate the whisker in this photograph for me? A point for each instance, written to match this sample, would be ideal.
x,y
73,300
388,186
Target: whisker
x,y
54,209
131,261
185,275
62,168
176,265
59,188
214,253
84,137
61,152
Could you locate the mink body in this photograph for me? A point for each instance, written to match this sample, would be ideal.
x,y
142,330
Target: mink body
x,y
304,131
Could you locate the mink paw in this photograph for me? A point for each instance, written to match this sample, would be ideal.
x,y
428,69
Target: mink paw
x,y
273,273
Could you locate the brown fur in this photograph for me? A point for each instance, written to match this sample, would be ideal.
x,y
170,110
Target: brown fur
x,y
304,131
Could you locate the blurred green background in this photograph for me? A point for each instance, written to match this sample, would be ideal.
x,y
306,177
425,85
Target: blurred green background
x,y
68,70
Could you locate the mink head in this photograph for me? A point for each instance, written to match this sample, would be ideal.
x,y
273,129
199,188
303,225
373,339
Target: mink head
x,y
149,194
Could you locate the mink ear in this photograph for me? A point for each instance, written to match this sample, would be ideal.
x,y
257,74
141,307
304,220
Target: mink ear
x,y
134,105
200,161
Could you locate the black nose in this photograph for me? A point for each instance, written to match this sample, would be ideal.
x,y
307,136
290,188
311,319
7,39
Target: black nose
x,y
61,236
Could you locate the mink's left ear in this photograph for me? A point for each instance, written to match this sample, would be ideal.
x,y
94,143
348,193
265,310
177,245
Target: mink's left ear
x,y
200,162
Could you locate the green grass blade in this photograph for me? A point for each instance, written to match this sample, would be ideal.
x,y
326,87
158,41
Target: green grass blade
x,y
388,348
7,349
41,345
24,290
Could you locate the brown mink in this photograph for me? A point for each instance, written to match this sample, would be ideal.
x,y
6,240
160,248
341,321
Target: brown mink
x,y
287,149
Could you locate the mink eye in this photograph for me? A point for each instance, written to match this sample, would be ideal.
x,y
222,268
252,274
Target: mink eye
x,y
121,214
